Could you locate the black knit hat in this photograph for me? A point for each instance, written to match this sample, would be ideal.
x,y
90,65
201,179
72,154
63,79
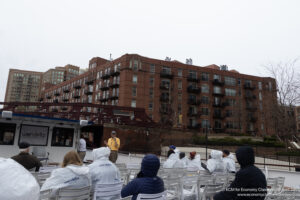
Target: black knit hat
x,y
24,145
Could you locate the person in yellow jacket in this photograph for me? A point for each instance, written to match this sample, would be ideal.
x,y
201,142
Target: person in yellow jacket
x,y
114,144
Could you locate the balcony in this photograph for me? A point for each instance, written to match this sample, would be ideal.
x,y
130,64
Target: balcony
x,y
64,108
54,110
66,90
88,91
41,99
48,96
77,86
192,89
76,95
219,94
166,74
252,119
194,102
105,87
55,101
192,79
194,126
250,96
165,87
164,99
56,93
105,76
248,86
90,80
165,111
115,97
104,99
218,116
251,108
194,114
218,105
65,99
114,85
218,82
218,130
115,73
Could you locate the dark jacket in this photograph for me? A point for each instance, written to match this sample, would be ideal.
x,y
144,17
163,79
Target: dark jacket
x,y
28,161
249,182
147,182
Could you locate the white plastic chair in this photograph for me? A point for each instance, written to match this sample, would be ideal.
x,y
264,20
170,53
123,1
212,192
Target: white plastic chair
x,y
271,185
211,190
120,165
158,196
73,193
108,191
124,175
189,187
279,184
41,177
173,187
45,195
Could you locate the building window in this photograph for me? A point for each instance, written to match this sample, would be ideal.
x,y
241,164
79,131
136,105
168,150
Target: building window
x,y
229,113
205,123
134,91
151,81
204,111
62,137
230,92
262,127
151,106
270,86
239,81
134,78
179,84
260,96
217,77
260,106
205,76
166,70
179,97
204,100
133,103
151,93
7,133
218,124
229,81
230,102
192,74
179,109
152,68
179,72
217,90
204,88
165,84
135,65
259,85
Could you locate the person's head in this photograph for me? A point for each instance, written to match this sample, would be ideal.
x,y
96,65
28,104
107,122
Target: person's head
x,y
225,153
24,147
245,156
215,154
171,151
150,165
82,136
192,155
172,147
71,158
181,155
113,134
101,153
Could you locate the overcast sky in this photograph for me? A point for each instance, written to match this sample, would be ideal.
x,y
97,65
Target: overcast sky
x,y
244,34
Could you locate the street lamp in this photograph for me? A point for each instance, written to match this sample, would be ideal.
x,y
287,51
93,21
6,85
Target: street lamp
x,y
207,128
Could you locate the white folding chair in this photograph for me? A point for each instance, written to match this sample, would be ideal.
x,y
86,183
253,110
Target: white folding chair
x,y
45,195
120,165
124,175
211,190
158,196
108,191
82,193
271,185
173,187
189,187
41,177
221,178
279,184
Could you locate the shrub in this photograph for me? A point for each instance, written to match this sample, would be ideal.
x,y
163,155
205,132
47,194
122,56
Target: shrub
x,y
289,153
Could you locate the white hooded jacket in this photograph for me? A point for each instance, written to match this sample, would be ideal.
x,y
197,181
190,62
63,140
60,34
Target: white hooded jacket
x,y
102,170
16,182
72,176
230,163
195,163
181,163
216,163
170,162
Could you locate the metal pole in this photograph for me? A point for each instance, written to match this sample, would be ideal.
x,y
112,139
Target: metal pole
x,y
289,163
206,143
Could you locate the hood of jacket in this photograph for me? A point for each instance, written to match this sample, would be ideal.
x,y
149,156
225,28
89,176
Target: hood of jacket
x,y
79,170
245,156
231,156
216,154
101,153
150,165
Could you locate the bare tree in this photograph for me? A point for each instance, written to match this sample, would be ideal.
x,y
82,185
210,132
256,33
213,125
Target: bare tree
x,y
287,78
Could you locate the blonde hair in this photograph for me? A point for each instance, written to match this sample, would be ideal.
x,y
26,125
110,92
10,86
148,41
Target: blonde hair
x,y
71,157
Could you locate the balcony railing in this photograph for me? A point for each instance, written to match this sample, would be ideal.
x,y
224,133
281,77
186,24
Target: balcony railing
x,y
104,99
76,95
250,96
249,86
252,118
115,73
105,87
90,80
218,82
220,94
194,114
192,89
192,79
164,99
65,99
218,116
114,85
194,102
218,130
166,74
251,108
115,97
55,101
165,87
48,96
56,93
106,76
88,91
64,108
218,105
77,86
66,90
166,111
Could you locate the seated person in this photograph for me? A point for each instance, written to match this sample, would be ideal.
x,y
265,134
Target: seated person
x,y
102,170
72,175
172,159
182,162
24,158
228,159
249,178
147,181
216,163
194,163
17,183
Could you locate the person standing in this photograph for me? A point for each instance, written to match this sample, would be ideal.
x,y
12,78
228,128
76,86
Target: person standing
x,y
114,144
24,158
82,148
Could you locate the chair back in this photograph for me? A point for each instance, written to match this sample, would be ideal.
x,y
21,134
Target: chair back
x,y
124,175
280,184
211,190
108,191
82,193
41,177
121,165
158,196
205,180
173,187
45,195
189,187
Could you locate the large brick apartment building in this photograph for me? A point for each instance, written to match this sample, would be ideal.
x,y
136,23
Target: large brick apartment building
x,y
180,95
